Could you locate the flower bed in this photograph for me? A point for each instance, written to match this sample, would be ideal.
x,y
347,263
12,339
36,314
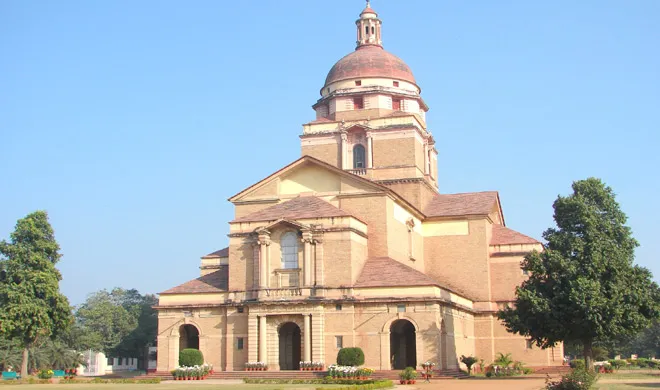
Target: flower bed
x,y
311,366
192,373
256,366
349,372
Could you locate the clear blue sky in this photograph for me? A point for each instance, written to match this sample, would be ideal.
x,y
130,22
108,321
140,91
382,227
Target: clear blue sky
x,y
132,122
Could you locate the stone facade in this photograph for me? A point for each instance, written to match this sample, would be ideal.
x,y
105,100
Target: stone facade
x,y
354,245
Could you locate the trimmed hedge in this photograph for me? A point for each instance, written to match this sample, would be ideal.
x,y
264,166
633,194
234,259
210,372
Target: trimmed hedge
x,y
191,357
325,381
578,364
384,384
350,357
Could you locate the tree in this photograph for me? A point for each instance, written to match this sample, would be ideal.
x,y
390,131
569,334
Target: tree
x,y
32,306
584,286
118,322
469,362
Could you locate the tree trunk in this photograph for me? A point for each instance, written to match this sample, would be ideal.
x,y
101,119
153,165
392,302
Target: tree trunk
x,y
24,363
588,354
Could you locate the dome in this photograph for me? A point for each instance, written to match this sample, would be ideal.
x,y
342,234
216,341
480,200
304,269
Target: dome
x,y
370,61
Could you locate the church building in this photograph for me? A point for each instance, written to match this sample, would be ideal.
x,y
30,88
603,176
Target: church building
x,y
353,245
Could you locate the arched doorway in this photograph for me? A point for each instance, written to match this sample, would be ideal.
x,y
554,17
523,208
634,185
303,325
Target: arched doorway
x,y
403,345
188,337
289,338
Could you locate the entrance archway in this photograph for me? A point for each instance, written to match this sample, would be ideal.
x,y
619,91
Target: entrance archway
x,y
289,340
188,337
403,345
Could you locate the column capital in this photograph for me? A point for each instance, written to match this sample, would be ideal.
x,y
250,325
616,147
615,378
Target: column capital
x,y
263,237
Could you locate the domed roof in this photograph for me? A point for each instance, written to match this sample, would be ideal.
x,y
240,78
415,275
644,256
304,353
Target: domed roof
x,y
370,61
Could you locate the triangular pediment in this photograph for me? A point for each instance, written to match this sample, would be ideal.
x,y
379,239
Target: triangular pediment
x,y
307,176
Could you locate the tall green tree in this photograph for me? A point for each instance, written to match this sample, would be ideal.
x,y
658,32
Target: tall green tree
x,y
118,322
584,286
32,306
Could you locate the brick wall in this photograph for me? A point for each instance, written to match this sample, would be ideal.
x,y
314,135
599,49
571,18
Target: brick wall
x,y
461,262
329,153
394,152
371,210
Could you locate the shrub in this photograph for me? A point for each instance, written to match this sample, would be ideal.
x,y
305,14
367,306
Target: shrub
x,y
489,374
469,362
654,364
617,364
350,357
576,380
578,364
599,354
191,357
642,362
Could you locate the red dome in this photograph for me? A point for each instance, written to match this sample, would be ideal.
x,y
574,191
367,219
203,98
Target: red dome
x,y
370,61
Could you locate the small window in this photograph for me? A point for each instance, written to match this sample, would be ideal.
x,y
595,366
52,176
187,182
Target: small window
x,y
395,83
338,307
401,308
239,309
359,157
111,361
396,104
366,30
328,89
358,82
358,103
187,314
289,245
373,29
239,343
339,340
530,344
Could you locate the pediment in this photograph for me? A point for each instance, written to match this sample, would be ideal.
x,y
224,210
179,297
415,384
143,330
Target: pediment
x,y
307,176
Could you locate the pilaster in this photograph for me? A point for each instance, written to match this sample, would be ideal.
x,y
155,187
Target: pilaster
x,y
307,258
263,339
307,335
264,259
253,338
318,342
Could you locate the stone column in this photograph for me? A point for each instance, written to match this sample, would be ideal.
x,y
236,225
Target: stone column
x,y
307,258
370,158
253,338
264,242
427,163
263,340
307,333
344,149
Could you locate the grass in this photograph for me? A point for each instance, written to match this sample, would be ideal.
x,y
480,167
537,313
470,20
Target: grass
x,y
169,386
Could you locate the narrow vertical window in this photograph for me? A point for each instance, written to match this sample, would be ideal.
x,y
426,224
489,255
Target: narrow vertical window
x,y
396,104
339,342
359,157
358,103
366,30
373,29
530,344
289,245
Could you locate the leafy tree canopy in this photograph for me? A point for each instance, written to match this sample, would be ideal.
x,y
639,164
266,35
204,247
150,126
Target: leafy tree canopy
x,y
118,322
32,305
584,286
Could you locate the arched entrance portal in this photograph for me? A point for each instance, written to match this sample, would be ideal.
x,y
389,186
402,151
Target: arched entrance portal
x,y
188,337
403,346
289,337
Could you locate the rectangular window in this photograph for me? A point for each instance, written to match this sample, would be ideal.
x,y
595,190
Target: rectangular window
x,y
338,307
395,83
358,83
401,308
339,340
111,361
240,309
358,103
239,343
396,104
530,344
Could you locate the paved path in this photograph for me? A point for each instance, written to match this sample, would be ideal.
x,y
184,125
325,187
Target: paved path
x,y
478,384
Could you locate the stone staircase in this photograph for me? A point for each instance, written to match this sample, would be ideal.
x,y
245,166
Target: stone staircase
x,y
237,375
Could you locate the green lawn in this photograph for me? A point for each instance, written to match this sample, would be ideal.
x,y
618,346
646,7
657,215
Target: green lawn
x,y
172,386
